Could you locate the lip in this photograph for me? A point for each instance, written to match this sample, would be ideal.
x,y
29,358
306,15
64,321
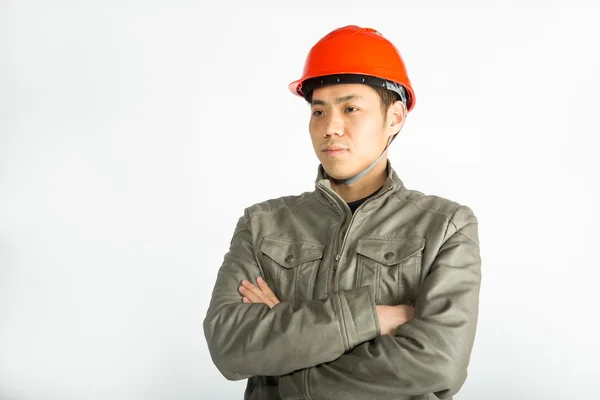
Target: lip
x,y
334,150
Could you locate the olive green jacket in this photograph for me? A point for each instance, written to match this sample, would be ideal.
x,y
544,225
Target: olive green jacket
x,y
330,268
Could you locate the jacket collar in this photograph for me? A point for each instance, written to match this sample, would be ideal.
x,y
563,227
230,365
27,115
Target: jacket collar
x,y
392,184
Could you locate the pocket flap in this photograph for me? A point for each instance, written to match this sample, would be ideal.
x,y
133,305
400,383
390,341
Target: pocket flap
x,y
290,253
390,251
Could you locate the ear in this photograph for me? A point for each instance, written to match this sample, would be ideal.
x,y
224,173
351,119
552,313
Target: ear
x,y
396,116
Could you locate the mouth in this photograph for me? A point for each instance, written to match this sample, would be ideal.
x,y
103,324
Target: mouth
x,y
334,151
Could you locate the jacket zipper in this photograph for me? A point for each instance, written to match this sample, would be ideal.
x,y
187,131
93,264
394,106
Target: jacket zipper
x,y
338,254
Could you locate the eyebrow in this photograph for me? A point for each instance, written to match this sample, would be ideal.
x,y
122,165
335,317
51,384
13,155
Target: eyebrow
x,y
337,101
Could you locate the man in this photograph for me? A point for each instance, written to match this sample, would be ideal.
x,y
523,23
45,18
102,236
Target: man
x,y
361,289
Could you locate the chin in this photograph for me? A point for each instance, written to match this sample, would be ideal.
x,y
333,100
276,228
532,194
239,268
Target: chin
x,y
337,171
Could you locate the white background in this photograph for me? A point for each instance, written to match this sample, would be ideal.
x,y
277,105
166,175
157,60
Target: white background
x,y
134,133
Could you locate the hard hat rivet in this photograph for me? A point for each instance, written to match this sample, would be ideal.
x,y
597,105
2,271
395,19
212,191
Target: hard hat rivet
x,y
338,79
321,80
363,79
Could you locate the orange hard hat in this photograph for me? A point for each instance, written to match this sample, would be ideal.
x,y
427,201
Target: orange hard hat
x,y
352,51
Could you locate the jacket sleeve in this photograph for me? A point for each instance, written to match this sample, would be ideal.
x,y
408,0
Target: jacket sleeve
x,y
429,354
245,340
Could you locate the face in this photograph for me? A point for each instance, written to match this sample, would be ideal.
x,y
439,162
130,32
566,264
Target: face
x,y
349,129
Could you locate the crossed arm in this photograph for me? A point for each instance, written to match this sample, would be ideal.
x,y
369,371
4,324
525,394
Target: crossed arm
x,y
340,347
390,317
249,339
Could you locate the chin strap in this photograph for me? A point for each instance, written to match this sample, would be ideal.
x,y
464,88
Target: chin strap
x,y
352,179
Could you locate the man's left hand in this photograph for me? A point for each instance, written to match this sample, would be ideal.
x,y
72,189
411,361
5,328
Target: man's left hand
x,y
258,294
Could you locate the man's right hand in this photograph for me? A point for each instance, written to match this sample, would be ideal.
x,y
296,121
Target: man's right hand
x,y
392,316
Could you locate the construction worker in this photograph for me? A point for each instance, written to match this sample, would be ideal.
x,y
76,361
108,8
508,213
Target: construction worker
x,y
362,288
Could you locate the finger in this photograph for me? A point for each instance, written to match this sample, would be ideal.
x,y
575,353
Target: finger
x,y
250,295
253,288
267,290
270,298
255,294
260,295
259,292
245,300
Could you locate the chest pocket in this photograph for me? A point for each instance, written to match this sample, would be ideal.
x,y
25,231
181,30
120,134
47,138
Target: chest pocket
x,y
392,266
291,268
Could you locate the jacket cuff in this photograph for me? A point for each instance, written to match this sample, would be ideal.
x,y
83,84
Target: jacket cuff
x,y
358,316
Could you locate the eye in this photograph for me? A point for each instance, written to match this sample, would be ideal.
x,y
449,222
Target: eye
x,y
350,109
317,113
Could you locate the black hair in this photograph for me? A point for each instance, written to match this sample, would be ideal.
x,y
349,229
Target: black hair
x,y
387,97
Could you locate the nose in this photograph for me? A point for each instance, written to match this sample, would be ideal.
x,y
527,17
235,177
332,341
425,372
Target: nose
x,y
333,125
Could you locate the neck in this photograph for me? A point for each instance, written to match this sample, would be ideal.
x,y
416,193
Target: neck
x,y
364,186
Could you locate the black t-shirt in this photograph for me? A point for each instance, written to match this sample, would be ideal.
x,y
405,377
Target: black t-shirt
x,y
356,203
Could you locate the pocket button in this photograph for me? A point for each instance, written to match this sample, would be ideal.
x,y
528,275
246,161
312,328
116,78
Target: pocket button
x,y
389,255
289,259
